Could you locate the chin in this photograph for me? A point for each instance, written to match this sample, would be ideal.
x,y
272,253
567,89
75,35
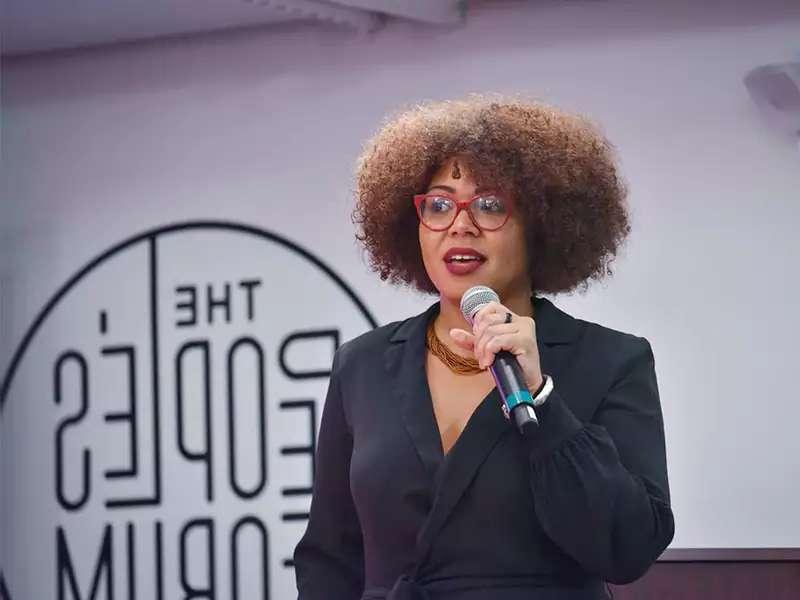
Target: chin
x,y
454,290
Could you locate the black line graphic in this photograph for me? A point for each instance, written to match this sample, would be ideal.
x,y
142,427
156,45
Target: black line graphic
x,y
151,234
151,237
4,595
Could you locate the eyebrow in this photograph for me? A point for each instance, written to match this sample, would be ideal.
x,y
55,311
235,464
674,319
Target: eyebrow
x,y
452,190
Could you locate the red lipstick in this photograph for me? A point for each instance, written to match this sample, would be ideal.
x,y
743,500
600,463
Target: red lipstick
x,y
462,261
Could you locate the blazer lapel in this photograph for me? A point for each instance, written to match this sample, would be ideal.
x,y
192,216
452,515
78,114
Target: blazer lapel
x,y
405,365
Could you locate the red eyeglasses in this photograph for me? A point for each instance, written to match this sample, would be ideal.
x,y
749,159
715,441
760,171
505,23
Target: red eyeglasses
x,y
438,211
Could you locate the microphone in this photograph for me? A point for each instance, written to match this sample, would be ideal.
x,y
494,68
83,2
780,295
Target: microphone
x,y
516,399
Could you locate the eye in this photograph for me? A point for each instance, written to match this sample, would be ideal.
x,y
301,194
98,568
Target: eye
x,y
439,203
491,204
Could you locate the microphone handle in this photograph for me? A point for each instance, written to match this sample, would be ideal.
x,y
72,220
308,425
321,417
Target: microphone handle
x,y
515,397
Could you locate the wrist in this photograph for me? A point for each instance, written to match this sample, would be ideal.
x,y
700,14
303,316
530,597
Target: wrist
x,y
537,386
540,395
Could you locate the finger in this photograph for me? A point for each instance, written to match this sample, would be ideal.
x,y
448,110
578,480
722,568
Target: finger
x,y
495,324
521,324
508,341
490,333
462,338
488,309
489,319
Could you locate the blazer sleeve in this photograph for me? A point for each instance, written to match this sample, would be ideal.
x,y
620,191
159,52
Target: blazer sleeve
x,y
600,489
329,559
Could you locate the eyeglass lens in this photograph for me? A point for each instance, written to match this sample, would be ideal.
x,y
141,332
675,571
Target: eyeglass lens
x,y
439,212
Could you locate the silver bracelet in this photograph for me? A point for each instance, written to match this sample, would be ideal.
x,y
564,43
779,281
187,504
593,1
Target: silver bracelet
x,y
548,387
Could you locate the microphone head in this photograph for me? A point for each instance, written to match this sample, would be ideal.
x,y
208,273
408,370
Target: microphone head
x,y
474,298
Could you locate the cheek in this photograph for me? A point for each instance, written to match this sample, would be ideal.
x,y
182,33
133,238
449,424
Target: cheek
x,y
430,248
517,248
426,247
517,240
514,250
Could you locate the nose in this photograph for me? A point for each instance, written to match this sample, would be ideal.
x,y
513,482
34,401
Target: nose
x,y
463,224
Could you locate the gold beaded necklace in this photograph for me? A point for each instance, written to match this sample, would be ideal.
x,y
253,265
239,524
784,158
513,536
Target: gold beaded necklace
x,y
456,363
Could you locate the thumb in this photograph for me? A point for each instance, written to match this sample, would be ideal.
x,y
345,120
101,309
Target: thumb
x,y
463,338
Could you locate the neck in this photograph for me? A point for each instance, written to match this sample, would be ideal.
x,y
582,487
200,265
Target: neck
x,y
450,316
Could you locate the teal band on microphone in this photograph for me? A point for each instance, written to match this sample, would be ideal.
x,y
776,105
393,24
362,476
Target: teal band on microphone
x,y
518,397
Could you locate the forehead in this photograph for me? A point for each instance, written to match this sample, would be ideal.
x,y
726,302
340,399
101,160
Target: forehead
x,y
453,167
458,172
455,172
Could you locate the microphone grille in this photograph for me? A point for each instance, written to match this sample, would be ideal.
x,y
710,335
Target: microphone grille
x,y
474,298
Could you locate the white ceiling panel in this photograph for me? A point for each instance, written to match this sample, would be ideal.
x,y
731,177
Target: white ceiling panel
x,y
41,25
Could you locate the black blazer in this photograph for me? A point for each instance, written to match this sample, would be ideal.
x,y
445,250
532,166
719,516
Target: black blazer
x,y
583,500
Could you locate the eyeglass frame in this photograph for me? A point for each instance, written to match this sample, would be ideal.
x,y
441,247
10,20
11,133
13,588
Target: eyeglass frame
x,y
463,205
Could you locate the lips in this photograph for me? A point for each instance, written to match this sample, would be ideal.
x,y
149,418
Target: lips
x,y
460,255
463,261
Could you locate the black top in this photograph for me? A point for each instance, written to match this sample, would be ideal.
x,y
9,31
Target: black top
x,y
585,499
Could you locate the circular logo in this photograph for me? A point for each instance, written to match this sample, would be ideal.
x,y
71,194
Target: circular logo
x,y
159,418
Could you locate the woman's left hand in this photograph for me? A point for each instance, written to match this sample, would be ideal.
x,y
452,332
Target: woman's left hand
x,y
490,334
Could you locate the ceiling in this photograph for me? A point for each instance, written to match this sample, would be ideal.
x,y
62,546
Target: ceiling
x,y
30,26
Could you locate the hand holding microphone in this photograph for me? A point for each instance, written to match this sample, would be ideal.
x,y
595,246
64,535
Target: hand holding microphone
x,y
506,344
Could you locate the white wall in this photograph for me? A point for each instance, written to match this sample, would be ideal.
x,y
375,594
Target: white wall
x,y
263,128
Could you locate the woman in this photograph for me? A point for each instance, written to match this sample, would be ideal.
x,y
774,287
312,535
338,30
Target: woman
x,y
423,488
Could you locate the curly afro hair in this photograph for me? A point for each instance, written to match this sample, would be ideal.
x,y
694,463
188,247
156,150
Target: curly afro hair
x,y
559,168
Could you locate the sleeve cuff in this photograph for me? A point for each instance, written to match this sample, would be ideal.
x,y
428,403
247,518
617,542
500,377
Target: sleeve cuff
x,y
557,423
